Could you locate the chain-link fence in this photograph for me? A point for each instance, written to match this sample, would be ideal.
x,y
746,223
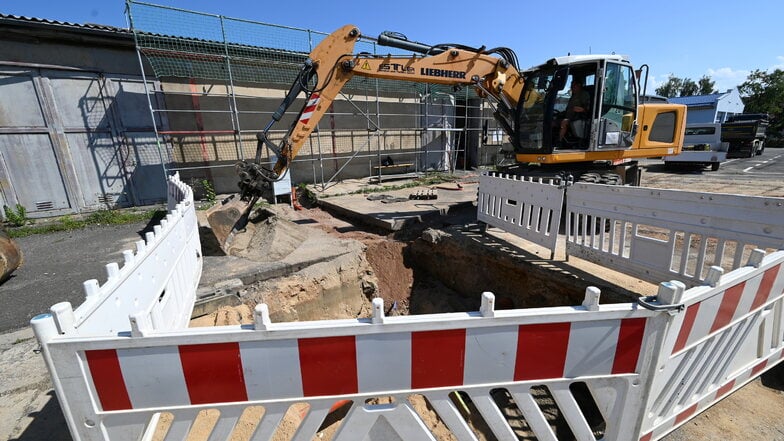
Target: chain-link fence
x,y
219,80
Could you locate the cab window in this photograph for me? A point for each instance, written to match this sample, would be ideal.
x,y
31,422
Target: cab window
x,y
618,104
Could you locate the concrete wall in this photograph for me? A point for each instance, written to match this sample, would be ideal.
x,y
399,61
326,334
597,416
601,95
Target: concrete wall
x,y
76,133
354,136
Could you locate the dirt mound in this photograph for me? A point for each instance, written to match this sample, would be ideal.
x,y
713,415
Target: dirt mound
x,y
268,238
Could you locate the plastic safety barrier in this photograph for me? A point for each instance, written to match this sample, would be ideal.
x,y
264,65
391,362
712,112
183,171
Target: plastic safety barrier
x,y
115,387
611,372
727,335
660,235
156,285
525,207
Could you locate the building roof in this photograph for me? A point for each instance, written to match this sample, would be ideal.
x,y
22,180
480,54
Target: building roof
x,y
19,20
61,23
698,100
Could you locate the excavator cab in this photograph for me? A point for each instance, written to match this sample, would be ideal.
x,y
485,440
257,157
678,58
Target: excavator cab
x,y
608,124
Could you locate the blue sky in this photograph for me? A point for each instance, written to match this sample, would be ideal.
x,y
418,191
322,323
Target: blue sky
x,y
688,38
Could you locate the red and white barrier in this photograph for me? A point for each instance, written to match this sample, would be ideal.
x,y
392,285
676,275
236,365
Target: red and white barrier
x,y
727,335
645,371
267,369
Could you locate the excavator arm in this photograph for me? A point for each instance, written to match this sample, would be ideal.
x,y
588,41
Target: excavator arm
x,y
331,64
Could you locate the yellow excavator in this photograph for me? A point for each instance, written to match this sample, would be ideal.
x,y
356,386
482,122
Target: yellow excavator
x,y
598,144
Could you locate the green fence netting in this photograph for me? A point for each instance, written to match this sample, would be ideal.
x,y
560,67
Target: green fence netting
x,y
188,44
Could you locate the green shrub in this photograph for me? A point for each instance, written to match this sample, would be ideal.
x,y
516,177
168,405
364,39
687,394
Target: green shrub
x,y
16,217
209,190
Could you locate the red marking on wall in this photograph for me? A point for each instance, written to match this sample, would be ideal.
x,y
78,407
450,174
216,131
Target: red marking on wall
x,y
196,103
541,351
108,379
328,365
213,373
437,358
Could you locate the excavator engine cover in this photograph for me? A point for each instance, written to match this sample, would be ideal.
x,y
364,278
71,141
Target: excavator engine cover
x,y
10,256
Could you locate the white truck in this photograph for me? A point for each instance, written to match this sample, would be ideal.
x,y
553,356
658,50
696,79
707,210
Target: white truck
x,y
702,145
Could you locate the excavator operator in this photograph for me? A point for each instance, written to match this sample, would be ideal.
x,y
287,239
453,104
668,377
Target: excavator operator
x,y
577,108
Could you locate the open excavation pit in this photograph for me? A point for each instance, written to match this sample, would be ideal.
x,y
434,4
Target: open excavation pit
x,y
432,269
335,269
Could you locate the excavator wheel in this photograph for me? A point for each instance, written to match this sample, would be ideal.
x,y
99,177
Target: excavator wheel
x,y
590,178
10,256
611,179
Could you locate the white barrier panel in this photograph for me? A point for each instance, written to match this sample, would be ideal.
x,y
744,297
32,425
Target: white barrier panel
x,y
727,336
524,207
154,290
155,286
660,235
119,384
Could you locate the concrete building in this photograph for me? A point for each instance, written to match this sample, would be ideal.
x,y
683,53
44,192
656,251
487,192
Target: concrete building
x,y
75,128
77,133
713,108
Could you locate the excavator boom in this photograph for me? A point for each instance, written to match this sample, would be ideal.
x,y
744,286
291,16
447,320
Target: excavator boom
x,y
328,68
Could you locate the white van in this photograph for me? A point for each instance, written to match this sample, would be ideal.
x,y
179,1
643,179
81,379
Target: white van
x,y
701,146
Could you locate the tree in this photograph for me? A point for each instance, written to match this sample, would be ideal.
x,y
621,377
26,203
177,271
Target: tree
x,y
689,87
671,88
706,86
676,86
763,92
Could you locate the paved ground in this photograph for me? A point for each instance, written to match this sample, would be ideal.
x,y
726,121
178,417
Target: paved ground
x,y
56,265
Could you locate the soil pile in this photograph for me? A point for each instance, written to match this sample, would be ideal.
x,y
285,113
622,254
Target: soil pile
x,y
268,238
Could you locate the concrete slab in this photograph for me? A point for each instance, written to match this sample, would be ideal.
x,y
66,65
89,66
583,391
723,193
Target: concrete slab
x,y
223,278
396,210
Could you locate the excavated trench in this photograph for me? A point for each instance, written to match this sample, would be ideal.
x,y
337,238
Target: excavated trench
x,y
432,269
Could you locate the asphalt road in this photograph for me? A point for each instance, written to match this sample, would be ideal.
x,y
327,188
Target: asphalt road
x,y
56,264
758,176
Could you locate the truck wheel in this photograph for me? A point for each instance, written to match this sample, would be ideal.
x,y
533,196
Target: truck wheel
x,y
715,166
